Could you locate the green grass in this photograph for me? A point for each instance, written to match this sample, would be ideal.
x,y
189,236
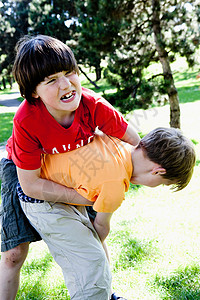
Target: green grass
x,y
41,277
188,86
183,284
154,240
8,90
6,124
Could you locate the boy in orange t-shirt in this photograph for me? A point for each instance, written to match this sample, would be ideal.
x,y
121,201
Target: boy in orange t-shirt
x,y
101,171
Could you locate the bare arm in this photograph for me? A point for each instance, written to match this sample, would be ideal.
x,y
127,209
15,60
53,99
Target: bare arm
x,y
131,136
102,224
42,189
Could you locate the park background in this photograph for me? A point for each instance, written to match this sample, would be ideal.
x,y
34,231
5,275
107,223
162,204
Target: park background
x,y
154,241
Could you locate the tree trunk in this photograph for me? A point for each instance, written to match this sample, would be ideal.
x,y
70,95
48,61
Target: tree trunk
x,y
98,72
4,83
92,82
164,59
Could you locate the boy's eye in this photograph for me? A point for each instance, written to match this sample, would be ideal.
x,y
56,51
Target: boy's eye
x,y
68,73
51,80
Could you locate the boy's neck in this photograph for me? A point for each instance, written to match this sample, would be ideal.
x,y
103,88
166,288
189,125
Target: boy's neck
x,y
66,120
133,157
137,159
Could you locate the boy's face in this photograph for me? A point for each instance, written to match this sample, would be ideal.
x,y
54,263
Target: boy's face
x,y
60,92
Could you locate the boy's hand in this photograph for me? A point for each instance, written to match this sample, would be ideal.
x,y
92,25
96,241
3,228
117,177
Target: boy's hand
x,y
102,224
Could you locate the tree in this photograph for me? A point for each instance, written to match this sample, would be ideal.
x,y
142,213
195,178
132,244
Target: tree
x,y
58,18
97,27
164,59
21,17
151,31
50,17
13,24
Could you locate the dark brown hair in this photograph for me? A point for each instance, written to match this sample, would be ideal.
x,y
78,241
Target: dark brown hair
x,y
169,148
38,57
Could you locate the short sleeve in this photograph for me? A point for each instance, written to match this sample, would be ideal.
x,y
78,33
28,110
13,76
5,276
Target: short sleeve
x,y
111,196
109,120
26,152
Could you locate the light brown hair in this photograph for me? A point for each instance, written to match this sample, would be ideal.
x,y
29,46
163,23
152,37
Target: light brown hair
x,y
175,153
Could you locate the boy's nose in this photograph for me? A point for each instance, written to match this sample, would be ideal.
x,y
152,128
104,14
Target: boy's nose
x,y
64,82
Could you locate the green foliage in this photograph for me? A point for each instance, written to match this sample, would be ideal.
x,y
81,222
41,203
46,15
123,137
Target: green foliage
x,y
13,24
50,18
119,31
97,27
136,49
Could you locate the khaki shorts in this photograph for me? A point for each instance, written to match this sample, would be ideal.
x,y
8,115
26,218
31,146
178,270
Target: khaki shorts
x,y
75,246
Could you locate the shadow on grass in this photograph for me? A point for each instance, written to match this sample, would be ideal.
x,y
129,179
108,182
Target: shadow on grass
x,y
181,76
184,284
35,282
188,94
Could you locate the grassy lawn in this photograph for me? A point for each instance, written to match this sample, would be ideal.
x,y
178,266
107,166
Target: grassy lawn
x,y
6,125
157,244
154,240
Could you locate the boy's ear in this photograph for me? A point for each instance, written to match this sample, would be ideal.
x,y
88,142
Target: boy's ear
x,y
158,171
35,95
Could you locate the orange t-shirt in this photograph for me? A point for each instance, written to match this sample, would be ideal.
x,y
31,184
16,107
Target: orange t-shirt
x,y
99,171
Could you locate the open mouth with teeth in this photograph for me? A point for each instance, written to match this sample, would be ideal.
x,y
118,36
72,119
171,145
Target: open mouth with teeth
x,y
68,97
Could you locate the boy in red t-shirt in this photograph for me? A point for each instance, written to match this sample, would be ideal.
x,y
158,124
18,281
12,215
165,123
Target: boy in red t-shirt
x,y
57,116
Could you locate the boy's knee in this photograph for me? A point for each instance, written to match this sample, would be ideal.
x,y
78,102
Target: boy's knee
x,y
15,257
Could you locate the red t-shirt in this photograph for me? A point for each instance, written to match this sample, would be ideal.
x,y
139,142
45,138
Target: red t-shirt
x,y
35,131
